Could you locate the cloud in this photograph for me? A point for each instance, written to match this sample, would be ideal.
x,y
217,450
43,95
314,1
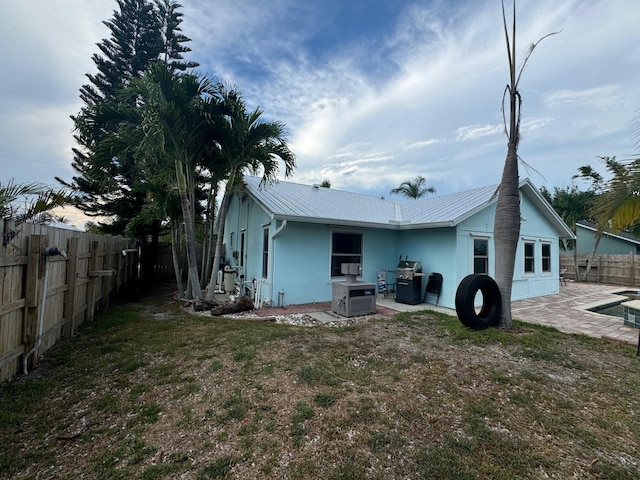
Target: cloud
x,y
473,132
532,124
605,96
423,143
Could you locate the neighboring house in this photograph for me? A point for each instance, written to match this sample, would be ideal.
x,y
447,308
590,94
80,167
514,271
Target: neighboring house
x,y
295,237
610,243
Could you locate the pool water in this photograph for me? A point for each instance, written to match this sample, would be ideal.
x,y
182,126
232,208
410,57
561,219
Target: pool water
x,y
612,310
616,310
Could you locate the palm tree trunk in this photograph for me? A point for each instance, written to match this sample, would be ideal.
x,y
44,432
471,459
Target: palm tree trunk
x,y
189,231
175,243
506,232
506,227
592,257
208,249
222,215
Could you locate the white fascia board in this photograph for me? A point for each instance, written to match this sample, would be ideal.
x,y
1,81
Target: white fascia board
x,y
333,221
424,226
382,226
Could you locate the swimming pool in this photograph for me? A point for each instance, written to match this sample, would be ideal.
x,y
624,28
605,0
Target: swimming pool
x,y
630,315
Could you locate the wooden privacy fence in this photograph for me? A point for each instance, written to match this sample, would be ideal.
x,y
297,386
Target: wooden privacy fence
x,y
46,297
163,261
605,268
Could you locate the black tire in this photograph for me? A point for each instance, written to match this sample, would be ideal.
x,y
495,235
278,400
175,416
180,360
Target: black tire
x,y
489,315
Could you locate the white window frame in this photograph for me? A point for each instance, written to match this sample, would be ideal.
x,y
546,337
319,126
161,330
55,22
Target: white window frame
x,y
265,252
532,258
243,241
487,257
542,257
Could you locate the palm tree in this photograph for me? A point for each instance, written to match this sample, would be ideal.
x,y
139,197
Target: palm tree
x,y
169,121
618,206
572,205
413,189
507,219
247,144
38,199
179,116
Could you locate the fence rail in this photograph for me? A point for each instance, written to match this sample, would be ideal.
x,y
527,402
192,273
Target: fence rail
x,y
609,269
46,297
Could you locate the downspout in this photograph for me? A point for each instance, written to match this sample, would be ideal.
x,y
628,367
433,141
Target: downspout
x,y
48,252
278,231
245,262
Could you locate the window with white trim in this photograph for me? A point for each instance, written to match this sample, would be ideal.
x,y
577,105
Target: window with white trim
x,y
529,257
546,257
481,256
346,247
242,243
265,252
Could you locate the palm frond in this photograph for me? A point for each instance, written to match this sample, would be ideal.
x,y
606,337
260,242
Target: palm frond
x,y
17,200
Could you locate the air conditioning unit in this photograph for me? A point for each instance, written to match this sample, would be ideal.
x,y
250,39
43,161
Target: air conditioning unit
x,y
352,298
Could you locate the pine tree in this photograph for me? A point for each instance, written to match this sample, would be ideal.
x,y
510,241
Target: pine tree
x,y
135,42
172,37
142,33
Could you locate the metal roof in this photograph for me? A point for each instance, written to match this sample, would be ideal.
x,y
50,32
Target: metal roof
x,y
313,203
316,204
447,209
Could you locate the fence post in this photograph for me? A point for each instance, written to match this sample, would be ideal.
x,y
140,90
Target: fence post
x,y
107,282
72,285
33,293
125,269
118,267
91,288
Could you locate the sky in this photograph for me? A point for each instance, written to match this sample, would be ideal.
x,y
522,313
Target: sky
x,y
373,92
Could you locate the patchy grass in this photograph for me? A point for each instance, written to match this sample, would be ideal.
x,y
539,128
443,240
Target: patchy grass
x,y
148,391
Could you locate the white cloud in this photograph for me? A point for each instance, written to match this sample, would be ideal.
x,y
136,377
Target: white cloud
x,y
423,143
473,132
605,96
532,124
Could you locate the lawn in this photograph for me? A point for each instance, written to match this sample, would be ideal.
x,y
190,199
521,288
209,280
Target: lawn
x,y
150,391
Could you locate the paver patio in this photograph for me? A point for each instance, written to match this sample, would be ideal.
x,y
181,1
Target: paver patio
x,y
567,311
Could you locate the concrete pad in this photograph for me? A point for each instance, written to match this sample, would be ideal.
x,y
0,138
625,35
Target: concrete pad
x,y
326,316
404,307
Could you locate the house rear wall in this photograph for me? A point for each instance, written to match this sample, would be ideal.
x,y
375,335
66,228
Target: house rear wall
x,y
300,253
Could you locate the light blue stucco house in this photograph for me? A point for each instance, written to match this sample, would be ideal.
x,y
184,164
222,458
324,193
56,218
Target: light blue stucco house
x,y
610,243
292,238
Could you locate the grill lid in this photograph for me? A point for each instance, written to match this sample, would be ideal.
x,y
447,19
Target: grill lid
x,y
413,266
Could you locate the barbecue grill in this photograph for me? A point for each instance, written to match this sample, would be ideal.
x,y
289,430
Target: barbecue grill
x,y
409,282
352,298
